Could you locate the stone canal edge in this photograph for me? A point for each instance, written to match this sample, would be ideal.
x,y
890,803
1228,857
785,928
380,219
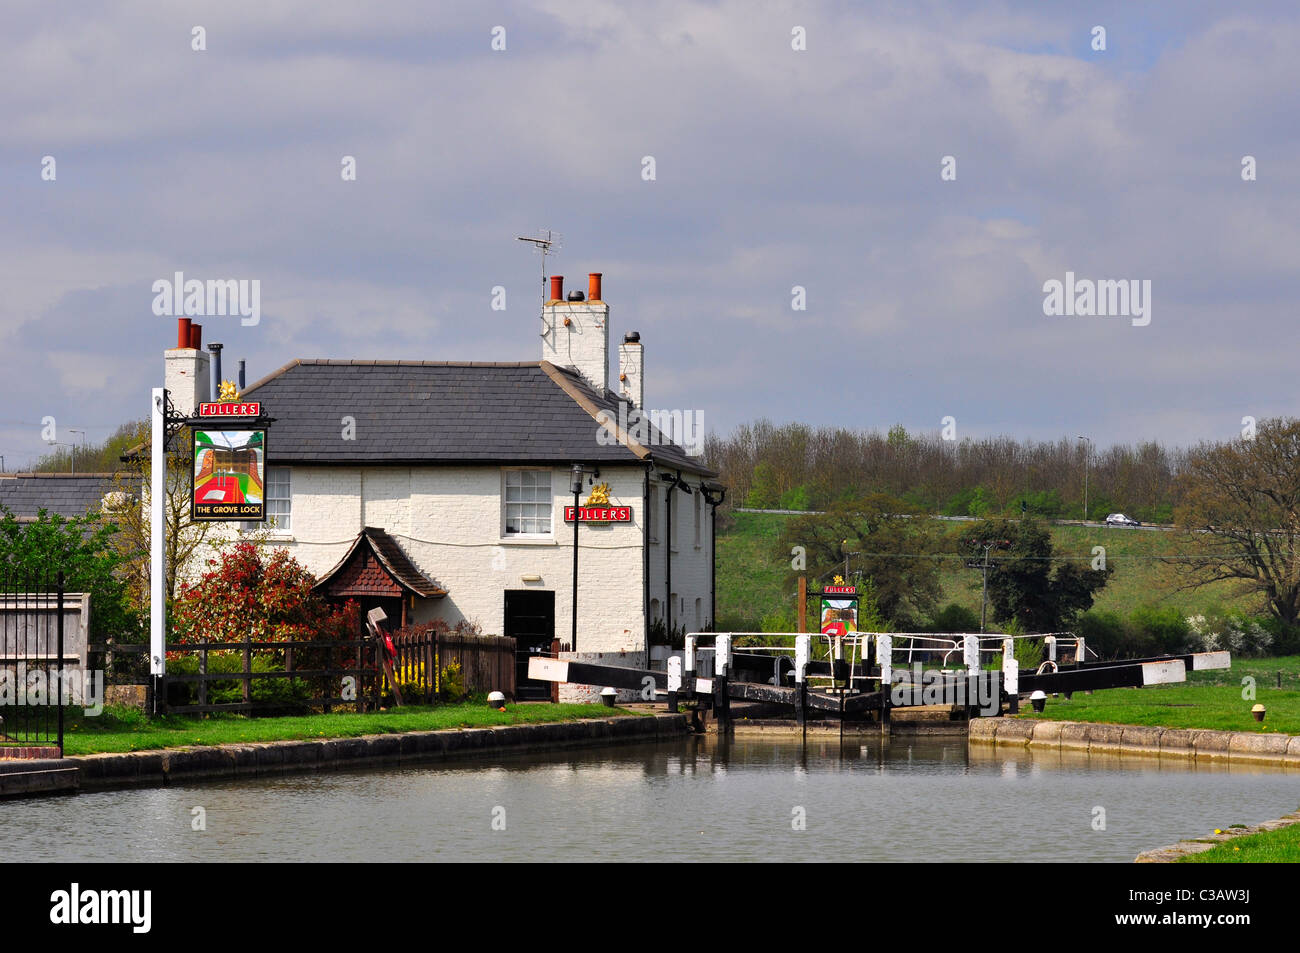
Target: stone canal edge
x,y
1187,744
260,759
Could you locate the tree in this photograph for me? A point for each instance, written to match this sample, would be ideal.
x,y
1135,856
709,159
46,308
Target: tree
x,y
81,547
245,596
897,554
1022,584
184,541
1240,516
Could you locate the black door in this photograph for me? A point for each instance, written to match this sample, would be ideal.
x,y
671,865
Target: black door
x,y
530,621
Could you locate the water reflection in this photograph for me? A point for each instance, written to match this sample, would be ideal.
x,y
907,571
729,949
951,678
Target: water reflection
x,y
699,798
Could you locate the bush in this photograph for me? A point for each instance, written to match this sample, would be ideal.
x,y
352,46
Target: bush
x,y
953,618
1234,631
1104,632
1159,631
269,691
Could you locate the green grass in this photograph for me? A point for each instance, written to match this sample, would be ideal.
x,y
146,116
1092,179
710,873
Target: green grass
x,y
1209,700
752,571
125,729
1281,846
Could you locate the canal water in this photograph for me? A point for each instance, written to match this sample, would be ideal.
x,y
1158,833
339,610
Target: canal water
x,y
700,798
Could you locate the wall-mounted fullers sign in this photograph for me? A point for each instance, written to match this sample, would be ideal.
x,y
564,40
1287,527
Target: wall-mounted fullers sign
x,y
599,509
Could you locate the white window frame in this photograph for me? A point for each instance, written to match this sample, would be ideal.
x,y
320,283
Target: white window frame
x,y
275,529
506,502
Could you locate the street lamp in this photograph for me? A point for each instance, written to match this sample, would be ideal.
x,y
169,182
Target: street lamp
x,y
74,447
575,484
1087,452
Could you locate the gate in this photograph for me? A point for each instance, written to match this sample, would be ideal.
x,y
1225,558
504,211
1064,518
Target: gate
x,y
37,671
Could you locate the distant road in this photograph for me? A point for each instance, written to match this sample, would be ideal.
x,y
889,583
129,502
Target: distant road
x,y
1158,527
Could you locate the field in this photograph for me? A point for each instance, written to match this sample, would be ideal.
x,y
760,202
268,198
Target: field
x,y
752,572
1210,700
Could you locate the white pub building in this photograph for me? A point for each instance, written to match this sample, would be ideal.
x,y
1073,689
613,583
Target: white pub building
x,y
444,490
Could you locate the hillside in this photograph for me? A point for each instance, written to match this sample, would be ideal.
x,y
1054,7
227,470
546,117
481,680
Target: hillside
x,y
752,573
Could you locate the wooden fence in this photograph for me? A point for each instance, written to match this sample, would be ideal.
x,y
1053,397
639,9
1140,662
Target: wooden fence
x,y
486,662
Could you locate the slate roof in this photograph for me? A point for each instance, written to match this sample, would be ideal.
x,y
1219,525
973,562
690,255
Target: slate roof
x,y
393,558
24,494
412,412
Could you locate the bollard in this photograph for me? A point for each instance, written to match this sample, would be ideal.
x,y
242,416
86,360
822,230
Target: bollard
x,y
885,655
674,681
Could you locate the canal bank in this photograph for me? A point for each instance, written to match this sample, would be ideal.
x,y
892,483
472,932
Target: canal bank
x,y
1239,747
228,762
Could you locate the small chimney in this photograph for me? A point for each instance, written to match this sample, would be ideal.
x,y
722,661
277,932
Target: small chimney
x,y
593,286
196,336
557,287
183,332
216,371
631,370
241,375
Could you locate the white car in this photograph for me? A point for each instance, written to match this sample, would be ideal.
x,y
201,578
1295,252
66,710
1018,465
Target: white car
x,y
1119,519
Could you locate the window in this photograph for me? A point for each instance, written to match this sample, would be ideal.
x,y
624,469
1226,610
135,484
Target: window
x,y
527,503
279,502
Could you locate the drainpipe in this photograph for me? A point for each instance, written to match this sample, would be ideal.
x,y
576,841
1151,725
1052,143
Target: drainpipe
x,y
241,375
668,562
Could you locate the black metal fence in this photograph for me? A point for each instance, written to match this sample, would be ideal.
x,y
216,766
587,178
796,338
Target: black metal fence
x,y
37,675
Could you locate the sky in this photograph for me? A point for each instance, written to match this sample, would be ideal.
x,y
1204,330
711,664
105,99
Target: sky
x,y
775,168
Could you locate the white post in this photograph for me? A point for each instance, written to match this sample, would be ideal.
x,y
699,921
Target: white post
x,y
674,673
1080,653
971,650
1051,648
722,655
801,654
885,656
1010,668
157,567
688,656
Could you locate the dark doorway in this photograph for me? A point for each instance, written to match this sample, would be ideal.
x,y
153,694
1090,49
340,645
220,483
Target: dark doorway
x,y
530,621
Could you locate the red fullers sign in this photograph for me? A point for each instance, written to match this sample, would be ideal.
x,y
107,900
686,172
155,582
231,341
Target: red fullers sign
x,y
599,514
839,590
253,409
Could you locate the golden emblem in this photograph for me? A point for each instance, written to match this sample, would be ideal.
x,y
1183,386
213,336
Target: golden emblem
x,y
839,580
227,392
599,495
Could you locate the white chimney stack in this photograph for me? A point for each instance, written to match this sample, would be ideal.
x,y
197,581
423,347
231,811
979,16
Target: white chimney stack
x,y
186,369
631,370
575,332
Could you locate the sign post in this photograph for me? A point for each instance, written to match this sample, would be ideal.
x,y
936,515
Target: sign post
x,y
157,554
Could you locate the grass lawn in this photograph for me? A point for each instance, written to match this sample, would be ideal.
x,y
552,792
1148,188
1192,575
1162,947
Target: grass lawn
x,y
1205,700
125,729
752,570
1281,846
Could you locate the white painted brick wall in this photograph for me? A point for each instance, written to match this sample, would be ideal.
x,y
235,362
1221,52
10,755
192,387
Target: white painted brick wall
x,y
449,521
583,344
